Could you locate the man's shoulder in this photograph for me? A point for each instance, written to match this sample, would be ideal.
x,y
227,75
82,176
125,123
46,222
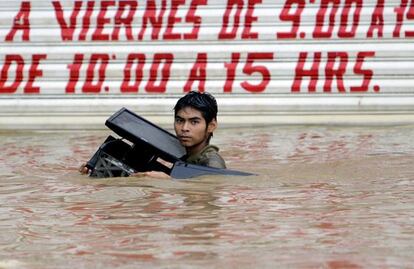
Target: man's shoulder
x,y
210,156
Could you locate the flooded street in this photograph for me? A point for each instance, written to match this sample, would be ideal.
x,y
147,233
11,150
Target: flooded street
x,y
323,197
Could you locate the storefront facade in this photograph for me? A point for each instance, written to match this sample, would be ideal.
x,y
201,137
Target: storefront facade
x,y
70,64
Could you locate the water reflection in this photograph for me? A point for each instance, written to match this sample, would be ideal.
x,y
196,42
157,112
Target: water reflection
x,y
323,198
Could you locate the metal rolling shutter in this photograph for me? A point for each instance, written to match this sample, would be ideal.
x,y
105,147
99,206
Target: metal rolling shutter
x,y
70,64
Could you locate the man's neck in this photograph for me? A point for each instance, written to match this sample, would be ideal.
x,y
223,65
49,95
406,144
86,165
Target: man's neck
x,y
196,148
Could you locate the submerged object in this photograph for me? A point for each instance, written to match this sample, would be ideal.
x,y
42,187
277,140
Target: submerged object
x,y
144,146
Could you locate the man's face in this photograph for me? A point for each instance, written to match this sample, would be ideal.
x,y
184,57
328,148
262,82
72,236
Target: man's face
x,y
191,128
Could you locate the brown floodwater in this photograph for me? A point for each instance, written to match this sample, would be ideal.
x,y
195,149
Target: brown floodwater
x,y
323,197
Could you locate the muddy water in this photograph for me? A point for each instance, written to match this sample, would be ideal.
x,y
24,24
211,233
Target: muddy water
x,y
337,197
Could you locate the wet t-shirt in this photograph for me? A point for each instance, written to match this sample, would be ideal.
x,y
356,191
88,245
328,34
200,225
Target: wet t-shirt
x,y
209,156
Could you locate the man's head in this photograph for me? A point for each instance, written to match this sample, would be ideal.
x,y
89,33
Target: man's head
x,y
203,102
195,119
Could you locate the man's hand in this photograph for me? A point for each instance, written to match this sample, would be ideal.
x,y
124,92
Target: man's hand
x,y
153,174
83,169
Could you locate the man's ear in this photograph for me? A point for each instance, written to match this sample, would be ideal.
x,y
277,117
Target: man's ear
x,y
212,126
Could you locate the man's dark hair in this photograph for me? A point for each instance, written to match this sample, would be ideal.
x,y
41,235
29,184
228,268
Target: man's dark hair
x,y
204,102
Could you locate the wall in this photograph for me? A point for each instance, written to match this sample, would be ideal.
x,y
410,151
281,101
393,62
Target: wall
x,y
71,64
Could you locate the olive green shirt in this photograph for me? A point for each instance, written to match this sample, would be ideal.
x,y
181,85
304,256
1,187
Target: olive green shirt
x,y
208,156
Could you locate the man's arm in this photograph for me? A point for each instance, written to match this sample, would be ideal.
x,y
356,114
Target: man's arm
x,y
152,174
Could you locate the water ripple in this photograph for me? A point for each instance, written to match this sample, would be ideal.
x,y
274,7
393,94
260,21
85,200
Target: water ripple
x,y
335,197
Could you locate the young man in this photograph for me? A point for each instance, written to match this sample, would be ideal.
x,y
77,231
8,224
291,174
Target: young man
x,y
195,121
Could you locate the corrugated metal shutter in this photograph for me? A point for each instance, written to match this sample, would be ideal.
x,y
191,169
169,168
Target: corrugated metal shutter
x,y
70,64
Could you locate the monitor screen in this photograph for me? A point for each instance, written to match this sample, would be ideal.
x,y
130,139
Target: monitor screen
x,y
137,129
